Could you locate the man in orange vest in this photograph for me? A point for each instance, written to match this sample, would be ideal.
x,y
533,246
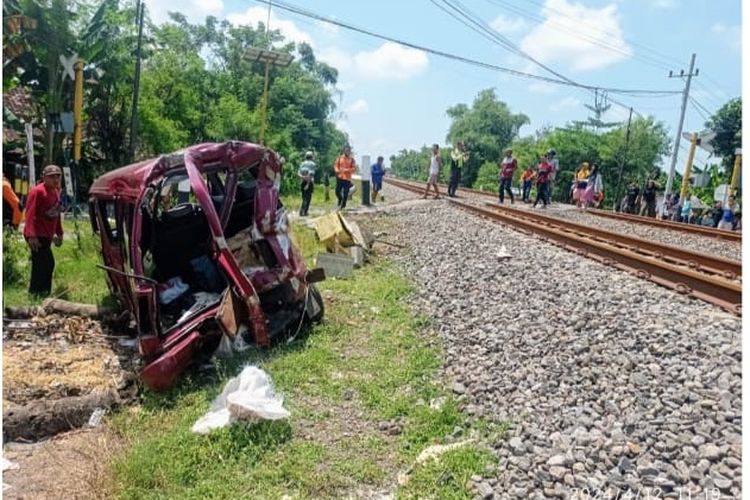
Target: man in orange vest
x,y
344,168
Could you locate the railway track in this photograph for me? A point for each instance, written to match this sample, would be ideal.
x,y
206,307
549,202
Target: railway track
x,y
676,226
636,219
712,279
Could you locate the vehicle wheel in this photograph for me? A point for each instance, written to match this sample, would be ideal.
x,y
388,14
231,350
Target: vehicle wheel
x,y
318,299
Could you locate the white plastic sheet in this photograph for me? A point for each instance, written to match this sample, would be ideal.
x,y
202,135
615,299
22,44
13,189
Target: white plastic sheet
x,y
248,397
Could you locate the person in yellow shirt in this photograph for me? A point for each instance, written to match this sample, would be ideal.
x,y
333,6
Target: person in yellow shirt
x,y
344,168
582,178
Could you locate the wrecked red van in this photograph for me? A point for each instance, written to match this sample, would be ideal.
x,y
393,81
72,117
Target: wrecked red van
x,y
187,237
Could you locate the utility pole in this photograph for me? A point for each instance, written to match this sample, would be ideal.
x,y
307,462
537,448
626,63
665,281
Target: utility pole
x,y
136,83
670,178
688,167
616,204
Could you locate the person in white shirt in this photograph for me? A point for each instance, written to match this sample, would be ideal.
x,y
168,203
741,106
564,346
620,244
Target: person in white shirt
x,y
436,164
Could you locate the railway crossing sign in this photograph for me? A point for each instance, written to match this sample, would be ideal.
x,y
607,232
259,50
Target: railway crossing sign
x,y
704,139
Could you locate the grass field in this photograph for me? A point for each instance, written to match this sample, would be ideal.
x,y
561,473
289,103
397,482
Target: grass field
x,y
76,276
359,388
362,388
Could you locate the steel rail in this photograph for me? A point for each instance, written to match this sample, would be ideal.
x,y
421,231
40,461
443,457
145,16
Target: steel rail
x,y
727,268
715,290
676,226
635,219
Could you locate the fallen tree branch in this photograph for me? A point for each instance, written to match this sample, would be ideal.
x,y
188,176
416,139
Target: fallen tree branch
x,y
59,306
42,418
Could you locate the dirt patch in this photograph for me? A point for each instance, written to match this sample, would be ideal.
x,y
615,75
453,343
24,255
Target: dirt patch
x,y
57,370
72,465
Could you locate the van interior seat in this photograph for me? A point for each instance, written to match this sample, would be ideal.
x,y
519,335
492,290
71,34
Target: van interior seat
x,y
180,234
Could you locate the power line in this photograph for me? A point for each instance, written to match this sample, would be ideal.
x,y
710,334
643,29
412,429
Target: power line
x,y
306,13
599,41
592,27
508,44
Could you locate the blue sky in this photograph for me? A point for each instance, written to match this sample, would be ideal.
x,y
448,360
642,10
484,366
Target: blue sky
x,y
394,97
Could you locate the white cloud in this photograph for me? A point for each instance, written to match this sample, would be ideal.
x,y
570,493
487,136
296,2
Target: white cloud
x,y
391,61
358,106
194,10
254,15
567,103
505,24
336,57
558,40
730,35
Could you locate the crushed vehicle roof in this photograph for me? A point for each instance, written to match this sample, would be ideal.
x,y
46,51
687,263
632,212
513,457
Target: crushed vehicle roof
x,y
130,180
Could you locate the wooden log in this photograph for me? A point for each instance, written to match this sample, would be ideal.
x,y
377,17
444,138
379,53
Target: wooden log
x,y
67,308
42,418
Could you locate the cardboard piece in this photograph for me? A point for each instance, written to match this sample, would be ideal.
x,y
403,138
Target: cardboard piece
x,y
335,265
231,314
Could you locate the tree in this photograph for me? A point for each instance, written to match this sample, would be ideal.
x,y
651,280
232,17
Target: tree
x,y
727,123
487,127
599,108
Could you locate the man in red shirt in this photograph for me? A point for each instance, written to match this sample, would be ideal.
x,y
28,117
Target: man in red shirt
x,y
43,227
507,169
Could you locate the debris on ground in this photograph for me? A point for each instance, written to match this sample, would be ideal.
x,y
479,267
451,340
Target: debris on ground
x,y
57,370
347,244
248,397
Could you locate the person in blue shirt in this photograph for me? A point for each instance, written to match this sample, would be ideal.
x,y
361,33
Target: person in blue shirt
x,y
377,172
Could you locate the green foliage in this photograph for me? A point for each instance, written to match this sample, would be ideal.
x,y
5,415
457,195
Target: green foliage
x,y
486,128
195,84
15,258
487,177
76,276
412,164
727,123
648,143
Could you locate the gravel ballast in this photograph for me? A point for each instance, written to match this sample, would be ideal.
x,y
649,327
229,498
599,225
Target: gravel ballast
x,y
687,241
610,383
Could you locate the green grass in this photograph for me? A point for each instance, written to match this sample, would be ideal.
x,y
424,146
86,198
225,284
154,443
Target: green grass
x,y
367,363
76,276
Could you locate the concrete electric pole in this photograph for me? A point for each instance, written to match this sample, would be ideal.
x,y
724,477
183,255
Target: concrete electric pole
x,y
670,178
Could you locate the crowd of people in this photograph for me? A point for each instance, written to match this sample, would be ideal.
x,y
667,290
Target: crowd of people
x,y
343,168
586,190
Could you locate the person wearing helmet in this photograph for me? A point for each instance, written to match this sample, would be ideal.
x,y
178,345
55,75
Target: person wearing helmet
x,y
552,159
306,174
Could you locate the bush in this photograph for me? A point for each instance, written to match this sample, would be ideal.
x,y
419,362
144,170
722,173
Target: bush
x,y
15,257
487,177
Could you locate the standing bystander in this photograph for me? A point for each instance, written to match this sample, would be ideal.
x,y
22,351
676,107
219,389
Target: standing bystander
x,y
344,168
459,156
377,172
527,178
507,169
648,199
306,174
542,181
435,164
43,227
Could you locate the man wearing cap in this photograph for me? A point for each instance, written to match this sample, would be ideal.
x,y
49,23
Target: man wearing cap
x,y
43,227
306,173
